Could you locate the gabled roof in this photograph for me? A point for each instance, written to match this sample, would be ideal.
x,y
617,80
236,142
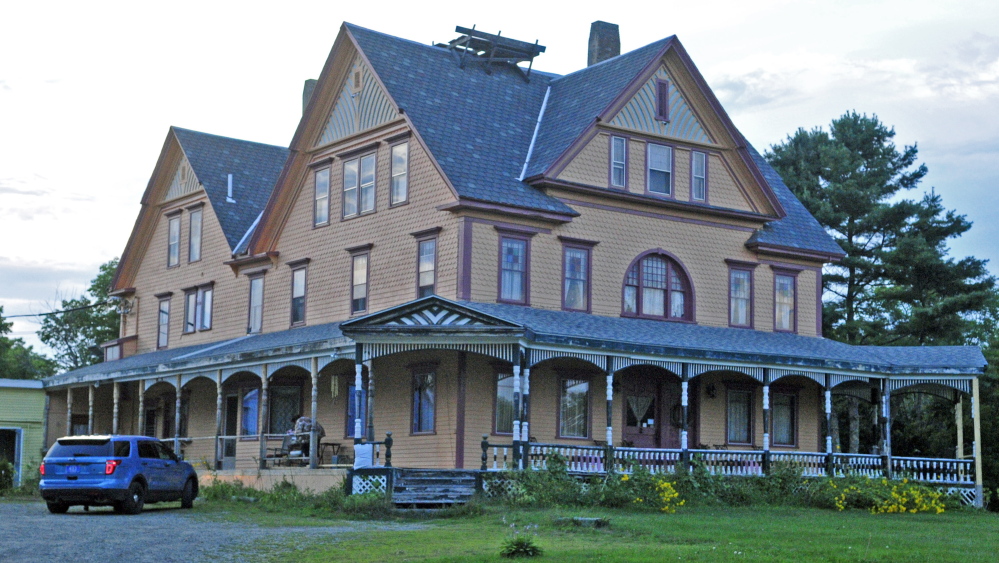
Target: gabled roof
x,y
255,168
478,126
577,99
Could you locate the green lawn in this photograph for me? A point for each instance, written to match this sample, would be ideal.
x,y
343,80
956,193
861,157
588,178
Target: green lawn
x,y
692,534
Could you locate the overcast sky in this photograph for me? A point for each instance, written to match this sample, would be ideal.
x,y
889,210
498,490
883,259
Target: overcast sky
x,y
89,89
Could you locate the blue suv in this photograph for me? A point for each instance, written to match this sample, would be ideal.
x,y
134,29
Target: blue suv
x,y
124,472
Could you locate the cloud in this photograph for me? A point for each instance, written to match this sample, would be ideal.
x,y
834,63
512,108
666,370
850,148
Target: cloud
x,y
969,69
4,85
38,281
756,88
15,191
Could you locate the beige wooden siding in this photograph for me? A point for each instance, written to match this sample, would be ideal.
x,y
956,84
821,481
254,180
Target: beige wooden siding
x,y
153,277
393,256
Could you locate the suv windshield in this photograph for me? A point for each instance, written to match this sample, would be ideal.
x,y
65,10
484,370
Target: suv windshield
x,y
76,447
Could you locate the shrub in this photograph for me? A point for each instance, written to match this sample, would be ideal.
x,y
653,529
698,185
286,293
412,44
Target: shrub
x,y
521,542
882,496
6,476
547,488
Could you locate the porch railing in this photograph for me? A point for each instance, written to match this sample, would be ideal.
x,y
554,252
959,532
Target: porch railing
x,y
930,470
858,464
811,464
653,460
730,462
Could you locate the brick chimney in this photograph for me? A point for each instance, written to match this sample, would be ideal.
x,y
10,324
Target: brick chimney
x,y
605,42
310,86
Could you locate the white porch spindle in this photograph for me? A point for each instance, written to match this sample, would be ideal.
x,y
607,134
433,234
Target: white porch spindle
x,y
116,394
69,411
370,403
313,441
525,431
829,440
142,408
684,402
610,400
516,396
262,416
959,423
176,418
218,418
358,370
90,409
766,417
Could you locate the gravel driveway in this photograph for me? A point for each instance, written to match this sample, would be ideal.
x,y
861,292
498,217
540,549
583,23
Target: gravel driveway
x,y
29,533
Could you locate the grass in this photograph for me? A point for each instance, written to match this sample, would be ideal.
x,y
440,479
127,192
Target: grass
x,y
692,534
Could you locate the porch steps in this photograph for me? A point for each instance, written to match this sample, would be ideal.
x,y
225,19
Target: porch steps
x,y
432,487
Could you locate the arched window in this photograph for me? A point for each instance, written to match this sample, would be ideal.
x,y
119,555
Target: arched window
x,y
656,286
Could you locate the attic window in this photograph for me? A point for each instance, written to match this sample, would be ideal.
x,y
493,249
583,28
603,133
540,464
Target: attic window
x,y
357,81
662,100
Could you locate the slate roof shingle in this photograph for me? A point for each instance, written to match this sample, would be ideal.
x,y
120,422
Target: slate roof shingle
x,y
255,168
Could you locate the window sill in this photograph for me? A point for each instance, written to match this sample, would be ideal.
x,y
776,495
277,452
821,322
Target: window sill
x,y
400,204
653,318
431,433
577,438
358,215
320,225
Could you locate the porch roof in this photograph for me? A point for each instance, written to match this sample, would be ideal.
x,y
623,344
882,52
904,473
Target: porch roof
x,y
212,355
699,342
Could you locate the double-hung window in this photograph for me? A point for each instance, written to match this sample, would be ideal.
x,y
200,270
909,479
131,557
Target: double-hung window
x,y
194,235
784,302
619,162
739,416
576,278
427,268
198,308
163,323
359,283
173,241
660,173
504,403
400,174
784,413
513,269
698,176
321,215
424,399
298,296
359,185
574,408
256,315
740,297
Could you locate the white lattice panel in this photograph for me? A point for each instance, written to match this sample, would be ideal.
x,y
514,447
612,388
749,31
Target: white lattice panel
x,y
368,484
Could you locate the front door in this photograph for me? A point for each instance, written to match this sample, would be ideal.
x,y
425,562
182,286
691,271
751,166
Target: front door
x,y
230,428
651,409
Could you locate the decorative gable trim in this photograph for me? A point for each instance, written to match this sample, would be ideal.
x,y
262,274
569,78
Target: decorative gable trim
x,y
430,315
358,107
184,182
642,112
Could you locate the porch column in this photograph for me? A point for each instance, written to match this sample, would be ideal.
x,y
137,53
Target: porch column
x,y
610,408
827,428
369,413
766,420
90,410
313,439
69,411
685,408
516,416
116,393
141,431
977,444
959,422
218,418
884,429
525,424
176,418
358,370
262,424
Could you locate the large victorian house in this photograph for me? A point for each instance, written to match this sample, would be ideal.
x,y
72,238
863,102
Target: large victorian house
x,y
456,244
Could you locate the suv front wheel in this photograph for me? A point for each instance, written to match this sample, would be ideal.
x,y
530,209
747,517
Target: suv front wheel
x,y
187,495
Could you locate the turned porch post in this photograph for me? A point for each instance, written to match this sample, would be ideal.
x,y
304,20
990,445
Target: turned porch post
x,y
69,411
525,426
116,394
90,410
176,418
516,414
263,417
766,420
610,406
358,385
313,413
369,411
142,408
959,422
685,408
827,427
218,419
976,446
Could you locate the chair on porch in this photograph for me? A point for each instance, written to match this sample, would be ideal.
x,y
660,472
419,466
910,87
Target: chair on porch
x,y
278,455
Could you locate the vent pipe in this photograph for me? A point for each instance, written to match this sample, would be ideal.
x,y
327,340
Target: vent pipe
x,y
605,42
228,193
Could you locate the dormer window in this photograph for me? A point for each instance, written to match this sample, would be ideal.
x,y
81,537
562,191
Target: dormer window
x,y
619,159
698,176
173,241
662,101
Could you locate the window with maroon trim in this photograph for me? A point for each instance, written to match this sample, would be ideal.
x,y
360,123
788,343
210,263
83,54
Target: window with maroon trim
x,y
173,241
424,400
513,273
739,416
400,174
784,302
698,176
660,172
163,323
575,278
298,296
359,186
503,423
321,215
784,418
194,235
426,275
359,283
740,295
657,287
256,315
619,162
662,100
574,408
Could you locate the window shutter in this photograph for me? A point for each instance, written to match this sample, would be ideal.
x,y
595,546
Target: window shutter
x,y
662,100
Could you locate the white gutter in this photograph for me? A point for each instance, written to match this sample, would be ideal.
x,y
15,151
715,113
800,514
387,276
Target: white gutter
x,y
530,149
